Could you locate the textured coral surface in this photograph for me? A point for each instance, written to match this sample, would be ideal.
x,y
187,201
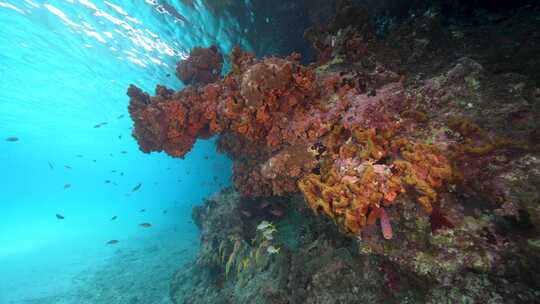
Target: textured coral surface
x,y
418,151
347,141
202,67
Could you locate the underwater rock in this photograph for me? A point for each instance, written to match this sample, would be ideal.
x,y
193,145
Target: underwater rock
x,y
318,264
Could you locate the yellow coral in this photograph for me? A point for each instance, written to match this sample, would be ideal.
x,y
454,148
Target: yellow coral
x,y
352,197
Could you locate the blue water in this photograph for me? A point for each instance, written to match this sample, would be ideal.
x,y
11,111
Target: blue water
x,y
65,66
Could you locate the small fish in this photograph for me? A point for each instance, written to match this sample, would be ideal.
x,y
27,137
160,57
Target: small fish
x,y
172,11
94,160
113,171
264,204
110,154
107,181
120,117
136,187
114,183
165,211
145,225
119,136
51,166
112,242
121,173
114,218
168,75
67,167
99,125
12,139
59,216
264,225
142,210
272,250
79,155
246,213
206,157
67,186
123,152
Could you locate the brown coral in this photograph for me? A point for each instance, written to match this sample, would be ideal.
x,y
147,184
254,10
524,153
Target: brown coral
x,y
203,66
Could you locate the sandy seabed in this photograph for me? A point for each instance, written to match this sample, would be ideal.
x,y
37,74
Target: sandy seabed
x,y
136,270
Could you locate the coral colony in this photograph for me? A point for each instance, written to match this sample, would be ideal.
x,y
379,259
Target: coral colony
x,y
396,162
351,144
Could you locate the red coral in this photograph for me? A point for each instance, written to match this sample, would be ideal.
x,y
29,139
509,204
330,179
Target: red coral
x,y
203,66
169,122
155,121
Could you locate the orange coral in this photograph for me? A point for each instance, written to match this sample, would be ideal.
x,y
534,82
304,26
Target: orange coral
x,y
348,149
353,190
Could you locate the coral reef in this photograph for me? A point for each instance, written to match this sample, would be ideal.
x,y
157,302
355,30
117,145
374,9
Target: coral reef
x,y
419,149
203,66
355,131
317,264
351,141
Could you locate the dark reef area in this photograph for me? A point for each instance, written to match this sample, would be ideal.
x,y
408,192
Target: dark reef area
x,y
401,165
